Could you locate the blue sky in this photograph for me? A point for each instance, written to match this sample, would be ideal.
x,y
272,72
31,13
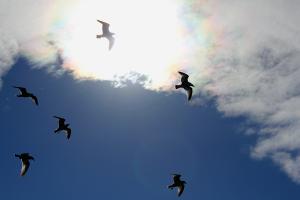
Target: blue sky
x,y
125,143
238,138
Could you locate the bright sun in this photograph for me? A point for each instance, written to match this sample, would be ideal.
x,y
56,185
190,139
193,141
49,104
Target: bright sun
x,y
148,40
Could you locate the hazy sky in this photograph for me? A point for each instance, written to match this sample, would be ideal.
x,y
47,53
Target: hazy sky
x,y
237,139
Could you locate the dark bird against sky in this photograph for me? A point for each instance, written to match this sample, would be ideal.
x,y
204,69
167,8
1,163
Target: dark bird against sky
x,y
185,84
177,183
63,127
107,34
25,158
25,93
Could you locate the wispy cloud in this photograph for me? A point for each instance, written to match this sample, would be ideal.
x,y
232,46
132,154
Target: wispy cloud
x,y
25,29
8,53
245,54
256,74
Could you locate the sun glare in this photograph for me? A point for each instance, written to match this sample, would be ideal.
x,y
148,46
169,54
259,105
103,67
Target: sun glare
x,y
148,40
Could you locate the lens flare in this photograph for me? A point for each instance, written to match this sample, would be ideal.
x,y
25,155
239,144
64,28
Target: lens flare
x,y
154,39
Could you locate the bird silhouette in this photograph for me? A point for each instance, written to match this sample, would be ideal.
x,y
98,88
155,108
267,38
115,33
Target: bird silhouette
x,y
63,127
25,158
185,84
107,34
177,183
25,93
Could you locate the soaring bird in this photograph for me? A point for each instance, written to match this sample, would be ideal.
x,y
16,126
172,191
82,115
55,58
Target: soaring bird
x,y
185,84
24,93
107,34
24,157
177,183
63,127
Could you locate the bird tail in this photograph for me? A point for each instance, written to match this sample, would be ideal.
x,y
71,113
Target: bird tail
x,y
177,86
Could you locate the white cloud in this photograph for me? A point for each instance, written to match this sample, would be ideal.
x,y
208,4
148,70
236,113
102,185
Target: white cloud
x,y
8,53
256,74
25,31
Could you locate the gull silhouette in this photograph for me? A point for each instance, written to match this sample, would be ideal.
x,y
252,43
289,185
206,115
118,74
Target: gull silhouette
x,y
177,183
63,127
185,84
24,157
107,34
24,93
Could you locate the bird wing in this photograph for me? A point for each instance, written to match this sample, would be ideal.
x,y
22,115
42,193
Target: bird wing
x,y
34,98
180,189
22,89
25,166
176,178
190,92
24,154
30,158
58,117
68,131
171,186
61,121
105,27
111,42
184,76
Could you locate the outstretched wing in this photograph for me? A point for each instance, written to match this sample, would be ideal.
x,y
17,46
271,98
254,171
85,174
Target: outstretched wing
x,y
68,131
34,98
189,92
30,157
176,178
58,117
25,166
25,155
184,77
111,42
22,89
180,190
105,27
61,121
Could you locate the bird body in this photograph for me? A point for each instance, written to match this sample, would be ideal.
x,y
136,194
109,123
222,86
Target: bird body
x,y
25,159
185,84
25,93
177,182
63,127
107,34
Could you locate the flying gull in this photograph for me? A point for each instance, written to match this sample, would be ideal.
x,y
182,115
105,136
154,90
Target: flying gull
x,y
25,93
25,158
185,84
107,34
177,183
